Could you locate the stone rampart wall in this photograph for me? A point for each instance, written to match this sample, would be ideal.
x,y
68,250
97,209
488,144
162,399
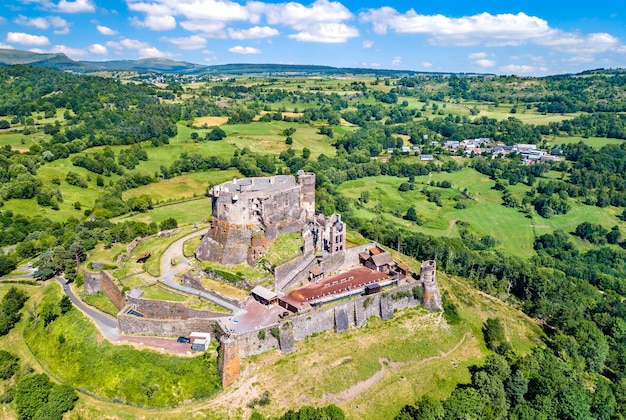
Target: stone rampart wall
x,y
339,317
130,324
250,343
284,274
351,255
112,290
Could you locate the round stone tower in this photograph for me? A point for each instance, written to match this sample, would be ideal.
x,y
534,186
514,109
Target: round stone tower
x,y
432,298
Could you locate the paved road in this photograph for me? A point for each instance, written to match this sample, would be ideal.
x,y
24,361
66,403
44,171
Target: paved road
x,y
169,272
107,325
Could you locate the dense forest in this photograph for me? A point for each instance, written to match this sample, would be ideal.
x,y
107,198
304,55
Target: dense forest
x,y
102,128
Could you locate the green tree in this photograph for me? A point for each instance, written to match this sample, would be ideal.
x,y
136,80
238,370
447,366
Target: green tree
x,y
65,304
169,223
411,214
495,339
9,364
31,394
215,134
516,387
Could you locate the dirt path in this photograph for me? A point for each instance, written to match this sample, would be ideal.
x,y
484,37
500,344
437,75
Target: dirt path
x,y
355,390
451,225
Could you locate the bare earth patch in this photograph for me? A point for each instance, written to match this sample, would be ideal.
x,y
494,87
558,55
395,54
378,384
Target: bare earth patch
x,y
209,121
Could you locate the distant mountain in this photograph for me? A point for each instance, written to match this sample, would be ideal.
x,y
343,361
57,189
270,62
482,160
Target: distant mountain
x,y
148,65
60,61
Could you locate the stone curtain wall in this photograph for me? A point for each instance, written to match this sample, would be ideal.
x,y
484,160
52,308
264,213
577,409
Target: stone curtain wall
x,y
338,317
352,255
112,290
104,281
250,343
130,324
286,276
293,272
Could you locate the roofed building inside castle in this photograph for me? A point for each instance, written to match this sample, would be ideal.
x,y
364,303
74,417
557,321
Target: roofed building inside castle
x,y
248,214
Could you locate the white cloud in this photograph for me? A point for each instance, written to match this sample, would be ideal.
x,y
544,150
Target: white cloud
x,y
426,64
77,6
367,44
27,39
133,44
244,50
39,23
490,30
195,10
156,23
372,64
255,32
98,49
322,21
151,52
484,28
105,30
210,28
2,20
6,46
477,55
483,62
61,25
326,32
71,52
65,6
194,42
396,61
144,50
522,69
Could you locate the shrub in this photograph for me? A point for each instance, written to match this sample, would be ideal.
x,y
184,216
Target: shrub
x,y
275,332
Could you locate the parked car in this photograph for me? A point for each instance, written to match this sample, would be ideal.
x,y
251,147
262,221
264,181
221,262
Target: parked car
x,y
183,340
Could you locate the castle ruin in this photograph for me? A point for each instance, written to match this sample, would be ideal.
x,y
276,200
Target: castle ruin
x,y
248,214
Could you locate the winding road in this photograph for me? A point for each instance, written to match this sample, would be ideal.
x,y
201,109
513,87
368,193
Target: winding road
x,y
107,325
169,272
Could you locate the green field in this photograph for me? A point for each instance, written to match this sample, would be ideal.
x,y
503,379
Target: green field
x,y
185,213
268,138
193,184
513,230
596,142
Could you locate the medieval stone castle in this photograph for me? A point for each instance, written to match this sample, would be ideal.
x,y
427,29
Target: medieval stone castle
x,y
335,286
248,215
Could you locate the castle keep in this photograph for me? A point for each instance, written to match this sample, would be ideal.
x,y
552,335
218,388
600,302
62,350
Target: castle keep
x,y
248,214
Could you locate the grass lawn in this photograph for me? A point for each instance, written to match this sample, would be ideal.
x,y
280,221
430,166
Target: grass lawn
x,y
284,248
161,293
102,302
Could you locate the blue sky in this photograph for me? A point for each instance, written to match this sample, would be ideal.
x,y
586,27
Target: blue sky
x,y
526,38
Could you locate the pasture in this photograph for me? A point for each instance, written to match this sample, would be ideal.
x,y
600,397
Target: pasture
x,y
514,231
